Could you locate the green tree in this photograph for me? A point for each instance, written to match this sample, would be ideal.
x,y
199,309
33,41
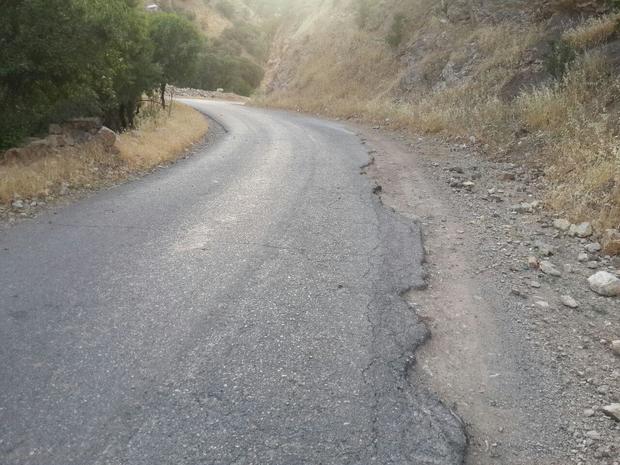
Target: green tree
x,y
45,50
64,58
177,49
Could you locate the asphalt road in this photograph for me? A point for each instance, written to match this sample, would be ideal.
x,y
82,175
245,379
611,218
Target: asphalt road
x,y
239,307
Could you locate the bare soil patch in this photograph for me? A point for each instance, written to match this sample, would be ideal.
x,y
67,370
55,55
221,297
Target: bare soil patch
x,y
526,373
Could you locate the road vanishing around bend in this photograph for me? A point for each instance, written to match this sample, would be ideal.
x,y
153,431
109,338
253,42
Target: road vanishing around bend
x,y
239,307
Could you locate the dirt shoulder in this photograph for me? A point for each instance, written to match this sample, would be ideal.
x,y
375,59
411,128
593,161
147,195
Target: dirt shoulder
x,y
527,374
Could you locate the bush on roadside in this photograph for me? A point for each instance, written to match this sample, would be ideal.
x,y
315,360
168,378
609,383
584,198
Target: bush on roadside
x,y
395,37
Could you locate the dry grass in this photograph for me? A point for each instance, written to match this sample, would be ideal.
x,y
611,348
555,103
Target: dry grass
x,y
583,148
595,31
341,71
160,139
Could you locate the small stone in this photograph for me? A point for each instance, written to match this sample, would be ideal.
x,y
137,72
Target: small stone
x,y
588,412
544,249
602,389
592,264
611,242
561,224
612,410
535,284
64,189
582,257
615,346
605,284
17,204
542,304
549,268
523,207
593,435
532,262
517,292
580,230
569,301
593,247
468,184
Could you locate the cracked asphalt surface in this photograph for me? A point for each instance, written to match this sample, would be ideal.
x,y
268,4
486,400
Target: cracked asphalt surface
x,y
239,307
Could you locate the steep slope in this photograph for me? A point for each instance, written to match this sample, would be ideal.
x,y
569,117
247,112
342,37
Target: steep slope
x,y
528,81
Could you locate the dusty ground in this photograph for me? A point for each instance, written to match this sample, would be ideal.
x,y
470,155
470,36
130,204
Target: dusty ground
x,y
527,379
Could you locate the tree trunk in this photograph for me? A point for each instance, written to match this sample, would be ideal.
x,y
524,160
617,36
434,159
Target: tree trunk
x,y
162,91
122,116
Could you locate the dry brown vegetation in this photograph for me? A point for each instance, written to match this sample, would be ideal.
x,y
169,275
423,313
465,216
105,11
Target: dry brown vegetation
x,y
595,31
159,138
569,125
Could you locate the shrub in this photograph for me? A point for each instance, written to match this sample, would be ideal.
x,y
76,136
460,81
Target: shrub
x,y
559,58
395,37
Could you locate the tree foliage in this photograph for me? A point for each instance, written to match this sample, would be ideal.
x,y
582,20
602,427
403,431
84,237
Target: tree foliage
x,y
66,58
232,73
177,45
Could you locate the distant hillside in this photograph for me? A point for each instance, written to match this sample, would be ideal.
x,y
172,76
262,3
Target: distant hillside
x,y
238,41
532,81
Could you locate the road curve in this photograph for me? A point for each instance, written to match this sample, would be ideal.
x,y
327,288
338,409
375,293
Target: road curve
x,y
239,307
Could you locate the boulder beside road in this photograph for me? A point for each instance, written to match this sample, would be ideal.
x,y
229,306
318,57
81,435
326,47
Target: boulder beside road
x,y
605,284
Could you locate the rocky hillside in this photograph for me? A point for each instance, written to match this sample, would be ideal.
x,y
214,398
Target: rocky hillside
x,y
531,82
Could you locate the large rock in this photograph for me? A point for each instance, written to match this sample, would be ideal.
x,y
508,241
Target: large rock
x,y
612,410
580,230
615,347
91,125
106,137
56,140
611,242
605,283
561,224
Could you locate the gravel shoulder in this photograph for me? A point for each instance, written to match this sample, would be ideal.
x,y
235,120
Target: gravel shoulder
x,y
528,374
